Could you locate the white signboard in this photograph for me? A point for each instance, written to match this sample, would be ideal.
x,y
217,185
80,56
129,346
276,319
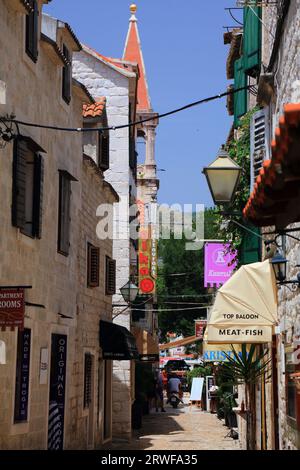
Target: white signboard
x,y
197,387
44,364
2,353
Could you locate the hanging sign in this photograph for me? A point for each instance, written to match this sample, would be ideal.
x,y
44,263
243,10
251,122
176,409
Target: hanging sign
x,y
22,376
219,264
57,392
12,308
200,326
147,255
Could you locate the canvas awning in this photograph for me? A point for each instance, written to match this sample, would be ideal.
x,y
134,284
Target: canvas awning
x,y
117,342
217,352
180,342
245,309
147,346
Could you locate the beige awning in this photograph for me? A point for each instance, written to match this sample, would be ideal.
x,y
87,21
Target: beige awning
x,y
245,309
145,342
216,352
180,342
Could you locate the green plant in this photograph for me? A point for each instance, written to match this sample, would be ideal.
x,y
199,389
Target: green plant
x,y
246,368
201,371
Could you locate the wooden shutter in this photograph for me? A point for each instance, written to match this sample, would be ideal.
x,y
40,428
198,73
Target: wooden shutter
x,y
252,40
66,79
19,183
32,25
251,246
110,281
240,98
259,142
64,214
93,266
88,361
104,150
38,195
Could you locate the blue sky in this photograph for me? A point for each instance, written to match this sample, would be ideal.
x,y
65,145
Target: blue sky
x,y
185,61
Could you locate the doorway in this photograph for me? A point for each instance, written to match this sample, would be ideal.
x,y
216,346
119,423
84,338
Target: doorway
x,y
107,402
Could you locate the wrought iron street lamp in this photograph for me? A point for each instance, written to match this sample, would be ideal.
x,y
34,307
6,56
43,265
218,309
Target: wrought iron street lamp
x,y
129,292
223,176
279,263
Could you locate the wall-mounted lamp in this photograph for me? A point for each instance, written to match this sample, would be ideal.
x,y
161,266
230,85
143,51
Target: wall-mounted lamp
x,y
279,263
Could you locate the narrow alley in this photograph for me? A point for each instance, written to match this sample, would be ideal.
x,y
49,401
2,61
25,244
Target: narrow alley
x,y
185,428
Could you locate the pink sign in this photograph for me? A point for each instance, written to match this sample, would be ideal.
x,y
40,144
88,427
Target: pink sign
x,y
218,264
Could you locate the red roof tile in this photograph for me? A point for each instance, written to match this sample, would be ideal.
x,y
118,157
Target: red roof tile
x,y
94,110
264,195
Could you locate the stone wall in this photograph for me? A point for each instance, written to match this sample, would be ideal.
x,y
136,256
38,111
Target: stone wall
x,y
287,90
102,79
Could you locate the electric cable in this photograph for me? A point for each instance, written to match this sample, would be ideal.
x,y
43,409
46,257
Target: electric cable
x,y
130,124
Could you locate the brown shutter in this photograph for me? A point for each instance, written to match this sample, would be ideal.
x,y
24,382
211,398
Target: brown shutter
x,y
93,266
88,360
104,151
66,79
19,183
32,25
64,214
38,195
110,284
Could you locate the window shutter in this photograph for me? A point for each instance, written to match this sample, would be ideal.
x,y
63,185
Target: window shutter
x,y
38,195
240,98
66,81
110,284
87,380
252,40
64,214
93,266
104,151
259,142
19,183
251,247
32,25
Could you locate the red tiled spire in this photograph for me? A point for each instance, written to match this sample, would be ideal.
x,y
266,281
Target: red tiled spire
x,y
133,53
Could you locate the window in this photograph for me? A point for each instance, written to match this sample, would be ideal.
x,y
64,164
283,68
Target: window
x,y
110,278
103,149
22,376
259,142
32,31
64,219
87,396
28,179
66,75
93,254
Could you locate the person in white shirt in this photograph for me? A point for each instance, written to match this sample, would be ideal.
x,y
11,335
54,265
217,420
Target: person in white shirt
x,y
174,385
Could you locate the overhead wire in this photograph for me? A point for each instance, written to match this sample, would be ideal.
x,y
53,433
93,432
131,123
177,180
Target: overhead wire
x,y
130,124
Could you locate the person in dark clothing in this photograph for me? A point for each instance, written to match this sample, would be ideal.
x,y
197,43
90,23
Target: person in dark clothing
x,y
159,392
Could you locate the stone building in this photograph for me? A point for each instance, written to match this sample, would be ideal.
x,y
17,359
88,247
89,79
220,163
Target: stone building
x,y
274,202
117,81
52,377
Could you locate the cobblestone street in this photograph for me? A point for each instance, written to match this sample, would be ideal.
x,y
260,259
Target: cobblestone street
x,y
186,428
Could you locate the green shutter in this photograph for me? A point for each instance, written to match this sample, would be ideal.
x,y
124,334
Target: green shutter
x,y
240,98
252,40
251,247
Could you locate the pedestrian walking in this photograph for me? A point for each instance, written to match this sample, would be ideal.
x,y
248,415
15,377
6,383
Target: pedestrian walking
x,y
159,392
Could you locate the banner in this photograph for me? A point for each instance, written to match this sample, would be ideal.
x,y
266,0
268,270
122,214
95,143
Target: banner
x,y
200,326
12,308
147,255
219,264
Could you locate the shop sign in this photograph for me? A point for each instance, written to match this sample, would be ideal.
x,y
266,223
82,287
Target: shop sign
x,y
57,392
147,265
149,357
219,264
200,326
22,376
239,334
12,308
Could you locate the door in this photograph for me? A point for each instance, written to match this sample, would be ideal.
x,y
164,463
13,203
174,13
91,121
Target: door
x,y
107,403
56,417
